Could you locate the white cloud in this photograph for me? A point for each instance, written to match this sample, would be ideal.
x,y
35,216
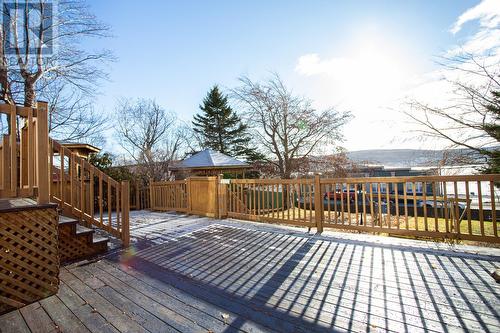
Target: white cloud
x,y
487,12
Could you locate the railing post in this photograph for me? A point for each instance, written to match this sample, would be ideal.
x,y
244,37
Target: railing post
x,y
318,204
188,191
222,197
125,191
42,135
13,151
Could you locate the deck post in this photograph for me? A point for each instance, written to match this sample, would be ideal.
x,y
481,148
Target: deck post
x,y
42,135
125,191
318,204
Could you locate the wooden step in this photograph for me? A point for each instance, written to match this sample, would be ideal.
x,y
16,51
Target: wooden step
x,y
77,242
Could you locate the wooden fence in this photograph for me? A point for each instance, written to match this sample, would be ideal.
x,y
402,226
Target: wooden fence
x,y
459,207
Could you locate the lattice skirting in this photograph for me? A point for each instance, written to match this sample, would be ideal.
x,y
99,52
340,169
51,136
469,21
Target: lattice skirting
x,y
29,256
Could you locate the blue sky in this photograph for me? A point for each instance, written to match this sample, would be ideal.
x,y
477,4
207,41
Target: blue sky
x,y
174,51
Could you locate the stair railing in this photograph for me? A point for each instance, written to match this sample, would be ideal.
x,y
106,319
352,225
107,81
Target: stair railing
x,y
84,191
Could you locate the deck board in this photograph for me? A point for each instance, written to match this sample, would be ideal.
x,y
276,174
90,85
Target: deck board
x,y
37,319
188,274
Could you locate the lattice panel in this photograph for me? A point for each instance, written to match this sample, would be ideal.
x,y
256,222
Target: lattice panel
x,y
29,260
74,247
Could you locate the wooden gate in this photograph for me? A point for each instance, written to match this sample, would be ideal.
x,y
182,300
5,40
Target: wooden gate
x,y
203,196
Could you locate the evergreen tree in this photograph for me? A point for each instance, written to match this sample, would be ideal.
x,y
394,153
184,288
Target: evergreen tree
x,y
221,129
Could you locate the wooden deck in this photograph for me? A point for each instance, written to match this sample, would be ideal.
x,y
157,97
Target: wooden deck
x,y
192,274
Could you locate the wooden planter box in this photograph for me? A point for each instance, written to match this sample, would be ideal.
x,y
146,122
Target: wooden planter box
x,y
29,256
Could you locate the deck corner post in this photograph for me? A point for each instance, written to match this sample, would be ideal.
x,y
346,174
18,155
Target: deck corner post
x,y
125,191
42,135
318,204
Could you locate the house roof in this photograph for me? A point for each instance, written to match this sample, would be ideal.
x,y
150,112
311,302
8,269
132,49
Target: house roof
x,y
78,145
211,159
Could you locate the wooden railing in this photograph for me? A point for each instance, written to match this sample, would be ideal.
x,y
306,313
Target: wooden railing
x,y
139,196
461,207
84,191
166,196
452,207
24,153
32,165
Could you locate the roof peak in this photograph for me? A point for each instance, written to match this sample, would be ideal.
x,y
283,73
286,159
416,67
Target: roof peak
x,y
211,158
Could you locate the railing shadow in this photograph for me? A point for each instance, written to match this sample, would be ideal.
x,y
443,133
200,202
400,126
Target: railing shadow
x,y
314,284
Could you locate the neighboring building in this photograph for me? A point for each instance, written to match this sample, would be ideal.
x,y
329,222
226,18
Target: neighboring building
x,y
383,171
210,163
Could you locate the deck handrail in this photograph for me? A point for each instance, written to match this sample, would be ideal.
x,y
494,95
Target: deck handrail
x,y
79,188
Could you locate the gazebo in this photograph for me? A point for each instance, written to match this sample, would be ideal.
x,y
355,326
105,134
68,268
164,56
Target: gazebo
x,y
211,163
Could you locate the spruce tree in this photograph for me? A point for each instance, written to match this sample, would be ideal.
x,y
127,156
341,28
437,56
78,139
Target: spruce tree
x,y
221,129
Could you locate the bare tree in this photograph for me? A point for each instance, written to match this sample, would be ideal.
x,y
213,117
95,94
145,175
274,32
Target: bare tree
x,y
72,115
286,126
152,136
471,118
40,52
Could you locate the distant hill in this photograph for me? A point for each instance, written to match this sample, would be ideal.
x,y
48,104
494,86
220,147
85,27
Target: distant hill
x,y
415,157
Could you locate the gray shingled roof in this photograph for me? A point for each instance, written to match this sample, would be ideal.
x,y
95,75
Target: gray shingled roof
x,y
209,159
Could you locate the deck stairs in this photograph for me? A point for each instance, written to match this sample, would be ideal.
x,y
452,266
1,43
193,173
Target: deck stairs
x,y
77,242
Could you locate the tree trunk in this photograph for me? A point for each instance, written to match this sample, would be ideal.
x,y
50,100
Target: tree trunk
x,y
29,93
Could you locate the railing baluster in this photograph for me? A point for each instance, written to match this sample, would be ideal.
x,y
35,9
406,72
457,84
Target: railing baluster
x,y
109,202
493,208
379,195
457,210
342,203
467,203
372,217
415,209
388,198
480,201
356,202
100,199
363,189
445,207
436,223
348,201
424,198
396,200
